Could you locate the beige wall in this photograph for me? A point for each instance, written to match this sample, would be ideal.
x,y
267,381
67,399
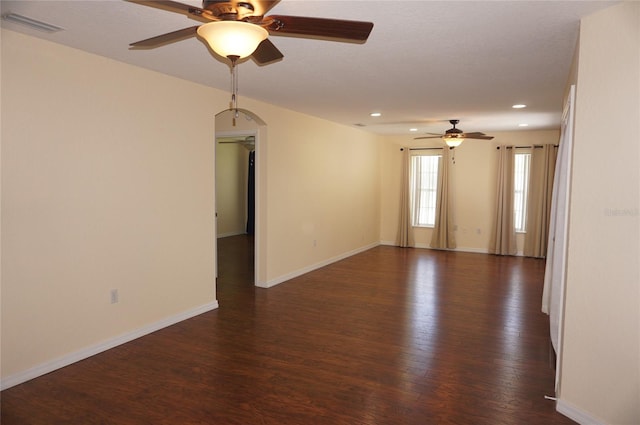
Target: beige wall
x,y
473,183
231,189
322,191
107,183
600,365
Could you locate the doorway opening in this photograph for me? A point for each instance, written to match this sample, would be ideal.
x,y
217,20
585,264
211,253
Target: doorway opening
x,y
239,138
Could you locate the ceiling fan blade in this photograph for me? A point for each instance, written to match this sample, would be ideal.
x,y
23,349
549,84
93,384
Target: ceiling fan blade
x,y
319,27
266,53
476,136
176,7
161,40
427,137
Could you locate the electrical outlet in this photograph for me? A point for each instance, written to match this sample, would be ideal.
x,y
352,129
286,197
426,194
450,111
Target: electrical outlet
x,y
114,296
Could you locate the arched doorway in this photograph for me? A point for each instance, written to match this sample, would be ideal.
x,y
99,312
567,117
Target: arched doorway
x,y
241,139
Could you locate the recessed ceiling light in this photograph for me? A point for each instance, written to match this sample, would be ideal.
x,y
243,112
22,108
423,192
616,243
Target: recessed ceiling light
x,y
523,125
376,114
413,129
519,106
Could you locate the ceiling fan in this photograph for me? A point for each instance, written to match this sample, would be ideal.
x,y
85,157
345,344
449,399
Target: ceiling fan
x,y
252,14
454,136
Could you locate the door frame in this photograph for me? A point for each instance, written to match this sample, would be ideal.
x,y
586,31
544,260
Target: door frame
x,y
260,236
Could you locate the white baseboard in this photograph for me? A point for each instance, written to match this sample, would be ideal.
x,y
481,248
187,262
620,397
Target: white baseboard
x,y
574,413
294,274
388,243
426,246
87,352
473,250
316,266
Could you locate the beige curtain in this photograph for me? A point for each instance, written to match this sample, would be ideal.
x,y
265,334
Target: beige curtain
x,y
503,240
543,164
443,236
405,230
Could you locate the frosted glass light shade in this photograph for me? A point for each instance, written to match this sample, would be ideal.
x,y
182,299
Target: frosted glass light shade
x,y
232,38
453,142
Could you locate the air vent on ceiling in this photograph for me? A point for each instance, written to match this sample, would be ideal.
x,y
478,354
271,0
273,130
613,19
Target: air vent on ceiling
x,y
31,23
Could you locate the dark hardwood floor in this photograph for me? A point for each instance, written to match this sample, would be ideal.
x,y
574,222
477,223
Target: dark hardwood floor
x,y
389,336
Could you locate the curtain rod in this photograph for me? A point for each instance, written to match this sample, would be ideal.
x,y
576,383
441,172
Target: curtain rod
x,y
424,149
526,147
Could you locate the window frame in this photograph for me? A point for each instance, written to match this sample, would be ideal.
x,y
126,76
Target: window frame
x,y
432,189
521,186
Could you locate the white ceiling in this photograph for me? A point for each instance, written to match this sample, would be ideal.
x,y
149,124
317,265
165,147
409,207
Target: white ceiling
x,y
425,62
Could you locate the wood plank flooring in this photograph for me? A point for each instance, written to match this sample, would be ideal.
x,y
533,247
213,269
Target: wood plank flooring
x,y
389,336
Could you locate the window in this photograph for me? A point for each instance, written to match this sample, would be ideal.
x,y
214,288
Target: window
x,y
521,190
424,189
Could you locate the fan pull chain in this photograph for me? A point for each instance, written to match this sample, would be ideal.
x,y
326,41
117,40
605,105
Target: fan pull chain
x,y
234,87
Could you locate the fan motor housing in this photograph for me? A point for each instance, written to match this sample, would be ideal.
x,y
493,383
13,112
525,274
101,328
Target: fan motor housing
x,y
228,11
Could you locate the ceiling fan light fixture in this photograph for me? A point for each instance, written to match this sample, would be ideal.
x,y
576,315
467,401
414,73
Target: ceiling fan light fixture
x,y
452,141
232,38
